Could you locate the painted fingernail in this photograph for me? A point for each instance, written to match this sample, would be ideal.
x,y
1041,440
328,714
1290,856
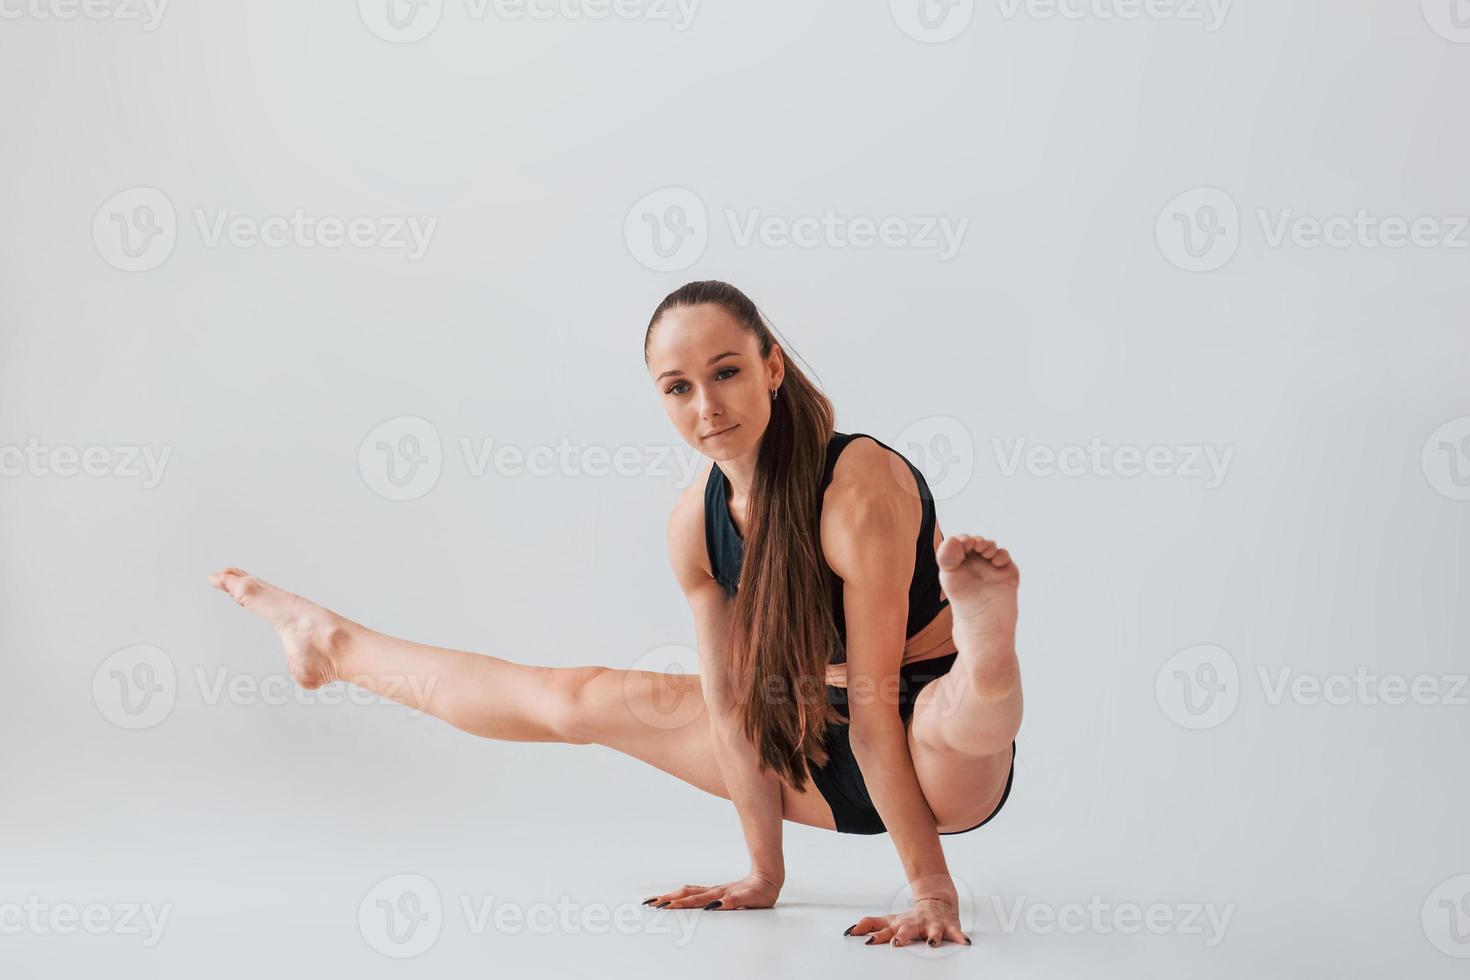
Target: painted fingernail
x,y
933,942
849,929
666,901
967,941
870,940
649,901
713,905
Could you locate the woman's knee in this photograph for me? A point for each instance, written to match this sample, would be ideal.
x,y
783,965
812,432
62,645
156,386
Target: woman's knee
x,y
576,707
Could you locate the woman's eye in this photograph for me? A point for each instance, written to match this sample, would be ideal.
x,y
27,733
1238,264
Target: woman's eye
x,y
720,375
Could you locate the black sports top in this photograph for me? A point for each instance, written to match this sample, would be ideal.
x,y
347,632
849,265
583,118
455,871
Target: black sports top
x,y
726,547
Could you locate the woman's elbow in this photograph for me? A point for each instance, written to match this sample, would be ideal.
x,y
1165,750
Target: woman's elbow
x,y
874,732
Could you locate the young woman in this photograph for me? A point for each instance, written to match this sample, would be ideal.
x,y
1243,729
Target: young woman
x,y
844,643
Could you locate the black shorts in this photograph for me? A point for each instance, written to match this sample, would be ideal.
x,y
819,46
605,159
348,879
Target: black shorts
x,y
840,781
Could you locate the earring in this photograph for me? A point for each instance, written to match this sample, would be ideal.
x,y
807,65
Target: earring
x,y
773,393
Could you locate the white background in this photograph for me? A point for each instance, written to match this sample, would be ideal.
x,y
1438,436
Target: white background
x,y
1333,542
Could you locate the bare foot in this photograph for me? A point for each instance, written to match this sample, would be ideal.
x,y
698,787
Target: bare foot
x,y
313,636
980,581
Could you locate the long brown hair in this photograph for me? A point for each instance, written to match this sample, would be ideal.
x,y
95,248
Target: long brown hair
x,y
783,630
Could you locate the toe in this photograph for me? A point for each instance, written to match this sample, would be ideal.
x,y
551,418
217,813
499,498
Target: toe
x,y
951,553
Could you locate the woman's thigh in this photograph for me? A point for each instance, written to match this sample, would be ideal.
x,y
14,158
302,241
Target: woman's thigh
x,y
662,719
961,747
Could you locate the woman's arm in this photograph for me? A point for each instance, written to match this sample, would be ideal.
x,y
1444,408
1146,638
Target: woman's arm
x,y
869,525
756,795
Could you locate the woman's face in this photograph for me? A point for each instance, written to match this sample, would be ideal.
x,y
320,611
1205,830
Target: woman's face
x,y
715,386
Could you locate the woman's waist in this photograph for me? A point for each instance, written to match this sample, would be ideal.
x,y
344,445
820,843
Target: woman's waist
x,y
934,640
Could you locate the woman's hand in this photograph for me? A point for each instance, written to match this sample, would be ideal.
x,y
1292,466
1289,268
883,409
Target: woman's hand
x,y
931,920
755,891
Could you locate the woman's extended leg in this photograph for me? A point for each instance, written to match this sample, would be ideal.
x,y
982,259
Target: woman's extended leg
x,y
658,718
964,722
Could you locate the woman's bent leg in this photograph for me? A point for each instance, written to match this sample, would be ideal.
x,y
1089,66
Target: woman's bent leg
x,y
964,722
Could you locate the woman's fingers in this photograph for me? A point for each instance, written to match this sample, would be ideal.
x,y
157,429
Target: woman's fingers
x,y
668,898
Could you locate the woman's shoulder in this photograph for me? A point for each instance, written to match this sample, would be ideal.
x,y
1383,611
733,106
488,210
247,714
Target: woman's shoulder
x,y
867,472
686,530
872,500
